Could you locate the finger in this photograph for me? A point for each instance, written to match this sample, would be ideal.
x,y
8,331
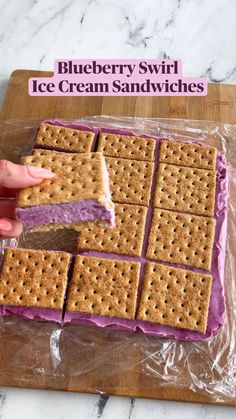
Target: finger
x,y
7,208
19,176
10,227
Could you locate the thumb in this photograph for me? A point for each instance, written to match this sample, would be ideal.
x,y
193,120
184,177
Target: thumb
x,y
19,176
10,227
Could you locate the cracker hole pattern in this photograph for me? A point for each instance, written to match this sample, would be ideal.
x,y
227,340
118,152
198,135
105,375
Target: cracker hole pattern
x,y
125,238
192,155
168,236
172,299
130,181
93,291
74,181
185,189
66,139
130,147
34,278
180,250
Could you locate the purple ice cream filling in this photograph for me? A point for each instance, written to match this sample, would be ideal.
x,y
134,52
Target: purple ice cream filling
x,y
217,304
71,212
33,313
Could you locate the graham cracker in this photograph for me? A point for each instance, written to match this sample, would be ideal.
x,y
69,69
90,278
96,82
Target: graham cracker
x,y
185,154
187,189
126,238
53,227
181,238
71,226
78,176
34,278
62,138
175,297
129,147
130,180
38,152
105,287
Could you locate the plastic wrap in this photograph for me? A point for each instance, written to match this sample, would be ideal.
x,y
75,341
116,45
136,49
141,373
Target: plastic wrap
x,y
35,349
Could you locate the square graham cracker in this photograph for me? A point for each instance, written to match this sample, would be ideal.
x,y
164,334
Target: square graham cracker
x,y
128,147
186,189
78,176
105,287
186,154
34,278
126,238
66,139
130,180
181,238
175,297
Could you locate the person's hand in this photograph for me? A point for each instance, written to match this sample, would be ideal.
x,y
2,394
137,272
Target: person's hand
x,y
12,178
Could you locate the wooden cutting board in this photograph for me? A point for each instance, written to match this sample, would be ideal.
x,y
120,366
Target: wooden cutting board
x,y
218,105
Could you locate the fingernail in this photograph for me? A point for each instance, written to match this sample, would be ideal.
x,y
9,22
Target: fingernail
x,y
39,172
5,225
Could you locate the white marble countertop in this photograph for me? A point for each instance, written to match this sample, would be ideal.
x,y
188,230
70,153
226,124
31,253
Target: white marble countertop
x,y
43,404
32,34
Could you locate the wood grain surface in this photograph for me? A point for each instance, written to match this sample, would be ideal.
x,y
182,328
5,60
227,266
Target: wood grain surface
x,y
218,105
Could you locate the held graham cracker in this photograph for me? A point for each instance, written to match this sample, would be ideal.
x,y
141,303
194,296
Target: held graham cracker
x,y
79,192
64,139
89,182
